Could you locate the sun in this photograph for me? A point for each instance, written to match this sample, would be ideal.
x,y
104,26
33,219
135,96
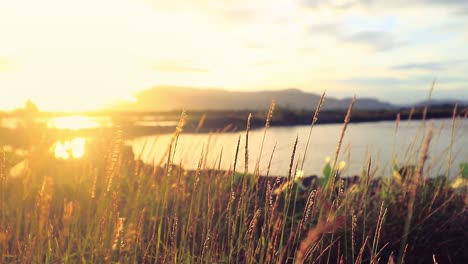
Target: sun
x,y
71,149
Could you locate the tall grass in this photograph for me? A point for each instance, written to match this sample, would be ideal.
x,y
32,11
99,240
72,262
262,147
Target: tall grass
x,y
112,208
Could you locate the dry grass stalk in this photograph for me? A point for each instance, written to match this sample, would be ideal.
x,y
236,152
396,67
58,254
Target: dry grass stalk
x,y
272,251
413,186
118,237
201,123
129,238
309,205
246,154
314,120
331,183
321,253
424,115
418,177
115,205
267,125
2,168
198,172
452,137
323,226
4,237
179,128
102,226
271,159
307,213
45,199
253,224
206,245
250,234
361,251
93,187
397,122
29,249
411,113
291,163
174,230
353,232
235,158
340,193
68,210
141,223
270,113
404,254
114,157
380,220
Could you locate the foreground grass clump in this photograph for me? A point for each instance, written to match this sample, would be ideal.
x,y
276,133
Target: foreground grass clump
x,y
110,207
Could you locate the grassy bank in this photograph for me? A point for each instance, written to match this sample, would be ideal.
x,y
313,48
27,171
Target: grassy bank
x,y
110,207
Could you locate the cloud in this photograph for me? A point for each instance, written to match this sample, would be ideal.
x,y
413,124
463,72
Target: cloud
x,y
430,66
418,80
332,4
255,46
348,4
6,64
375,81
462,12
379,41
447,2
326,28
240,15
174,67
406,90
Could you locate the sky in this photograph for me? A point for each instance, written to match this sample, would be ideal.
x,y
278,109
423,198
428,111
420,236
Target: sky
x,y
80,55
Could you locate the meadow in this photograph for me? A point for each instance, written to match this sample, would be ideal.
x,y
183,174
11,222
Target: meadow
x,y
110,207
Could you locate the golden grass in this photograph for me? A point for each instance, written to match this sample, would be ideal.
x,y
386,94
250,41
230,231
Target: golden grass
x,y
111,209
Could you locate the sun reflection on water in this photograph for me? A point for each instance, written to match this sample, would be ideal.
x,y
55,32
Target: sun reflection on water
x,y
71,149
75,122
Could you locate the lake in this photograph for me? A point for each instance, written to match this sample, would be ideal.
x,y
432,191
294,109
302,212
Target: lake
x,y
379,140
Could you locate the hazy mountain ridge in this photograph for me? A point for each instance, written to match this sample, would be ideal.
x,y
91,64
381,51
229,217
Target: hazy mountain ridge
x,y
163,98
442,102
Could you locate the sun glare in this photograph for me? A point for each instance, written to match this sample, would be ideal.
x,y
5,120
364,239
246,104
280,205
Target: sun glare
x,y
76,122
72,149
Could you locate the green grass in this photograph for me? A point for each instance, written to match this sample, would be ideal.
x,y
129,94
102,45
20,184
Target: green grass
x,y
109,208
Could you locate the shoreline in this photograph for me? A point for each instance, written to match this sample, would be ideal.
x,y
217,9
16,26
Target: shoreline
x,y
212,122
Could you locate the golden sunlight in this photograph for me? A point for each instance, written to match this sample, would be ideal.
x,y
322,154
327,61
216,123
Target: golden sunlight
x,y
72,149
75,122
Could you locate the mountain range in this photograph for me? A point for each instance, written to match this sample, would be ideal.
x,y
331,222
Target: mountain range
x,y
166,98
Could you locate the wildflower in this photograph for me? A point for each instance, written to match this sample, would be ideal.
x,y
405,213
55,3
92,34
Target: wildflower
x,y
282,188
397,177
459,183
297,180
299,174
341,165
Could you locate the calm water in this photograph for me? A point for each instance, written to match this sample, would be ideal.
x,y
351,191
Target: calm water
x,y
376,140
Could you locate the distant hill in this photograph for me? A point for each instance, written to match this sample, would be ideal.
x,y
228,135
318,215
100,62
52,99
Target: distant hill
x,y
442,102
164,98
